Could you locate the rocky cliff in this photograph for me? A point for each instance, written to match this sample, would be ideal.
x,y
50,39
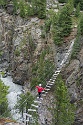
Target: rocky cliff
x,y
20,46
73,75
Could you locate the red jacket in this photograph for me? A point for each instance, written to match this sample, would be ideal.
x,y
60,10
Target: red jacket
x,y
39,88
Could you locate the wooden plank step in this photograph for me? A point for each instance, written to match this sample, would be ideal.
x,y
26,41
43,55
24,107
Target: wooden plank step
x,y
50,79
37,101
55,74
27,114
53,82
32,110
47,89
57,71
54,78
43,94
36,106
48,86
46,92
43,91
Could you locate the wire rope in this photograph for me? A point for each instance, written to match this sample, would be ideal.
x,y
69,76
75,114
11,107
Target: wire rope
x,y
44,80
27,98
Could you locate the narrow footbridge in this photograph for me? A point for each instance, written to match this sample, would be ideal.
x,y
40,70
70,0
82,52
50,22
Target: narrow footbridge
x,y
34,107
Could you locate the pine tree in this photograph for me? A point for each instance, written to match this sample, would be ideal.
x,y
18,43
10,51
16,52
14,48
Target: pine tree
x,y
57,30
71,6
25,101
39,8
76,2
77,12
42,9
64,111
78,43
81,25
65,21
62,24
3,99
35,6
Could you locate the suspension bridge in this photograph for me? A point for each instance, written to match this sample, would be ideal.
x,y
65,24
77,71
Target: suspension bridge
x,y
28,117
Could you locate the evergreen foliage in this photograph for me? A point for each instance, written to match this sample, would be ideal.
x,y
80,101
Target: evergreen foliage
x,y
81,25
62,24
3,99
41,71
42,9
35,7
39,8
47,25
3,2
25,101
76,48
65,20
76,2
71,6
28,8
62,1
77,12
15,3
56,30
64,111
78,44
23,9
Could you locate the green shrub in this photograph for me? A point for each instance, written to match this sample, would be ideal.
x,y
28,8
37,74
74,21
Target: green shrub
x,y
39,8
3,2
16,6
17,52
47,25
23,9
43,34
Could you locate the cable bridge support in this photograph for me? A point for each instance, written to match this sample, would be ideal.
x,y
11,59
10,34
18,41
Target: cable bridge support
x,y
50,83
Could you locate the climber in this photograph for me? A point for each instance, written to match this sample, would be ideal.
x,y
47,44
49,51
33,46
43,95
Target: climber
x,y
40,89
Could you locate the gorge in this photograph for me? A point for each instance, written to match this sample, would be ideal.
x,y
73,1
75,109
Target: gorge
x,y
30,53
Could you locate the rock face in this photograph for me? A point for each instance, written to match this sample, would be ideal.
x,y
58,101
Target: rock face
x,y
20,44
8,122
10,8
73,74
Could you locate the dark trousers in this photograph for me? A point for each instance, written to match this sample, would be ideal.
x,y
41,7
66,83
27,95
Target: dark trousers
x,y
39,94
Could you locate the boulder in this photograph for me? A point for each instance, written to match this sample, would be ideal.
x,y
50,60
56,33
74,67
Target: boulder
x,y
10,8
